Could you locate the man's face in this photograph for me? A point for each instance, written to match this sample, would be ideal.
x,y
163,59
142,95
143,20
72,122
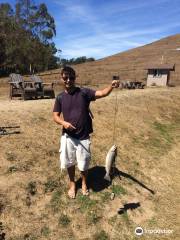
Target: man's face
x,y
68,80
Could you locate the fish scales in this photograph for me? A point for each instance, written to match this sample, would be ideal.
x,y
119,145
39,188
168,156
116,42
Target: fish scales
x,y
110,160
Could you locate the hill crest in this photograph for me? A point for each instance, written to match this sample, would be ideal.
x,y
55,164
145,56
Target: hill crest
x,y
130,65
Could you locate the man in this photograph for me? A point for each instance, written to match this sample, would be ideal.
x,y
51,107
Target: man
x,y
73,103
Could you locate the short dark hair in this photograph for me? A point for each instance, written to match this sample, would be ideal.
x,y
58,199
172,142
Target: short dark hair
x,y
68,70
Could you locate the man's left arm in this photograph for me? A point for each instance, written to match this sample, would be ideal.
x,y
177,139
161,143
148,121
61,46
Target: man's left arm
x,y
106,91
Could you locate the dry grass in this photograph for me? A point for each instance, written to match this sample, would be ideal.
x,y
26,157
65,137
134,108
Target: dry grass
x,y
129,65
33,200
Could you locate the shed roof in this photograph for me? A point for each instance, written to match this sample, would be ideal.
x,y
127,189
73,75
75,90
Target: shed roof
x,y
160,66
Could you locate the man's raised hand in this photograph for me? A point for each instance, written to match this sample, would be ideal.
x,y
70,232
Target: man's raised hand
x,y
115,83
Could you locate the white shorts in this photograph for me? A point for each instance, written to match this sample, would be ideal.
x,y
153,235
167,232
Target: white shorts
x,y
74,151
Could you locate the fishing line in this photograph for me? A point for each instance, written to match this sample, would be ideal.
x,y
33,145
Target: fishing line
x,y
114,126
115,114
115,111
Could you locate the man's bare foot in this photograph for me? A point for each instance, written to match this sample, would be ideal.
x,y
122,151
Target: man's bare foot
x,y
85,190
72,191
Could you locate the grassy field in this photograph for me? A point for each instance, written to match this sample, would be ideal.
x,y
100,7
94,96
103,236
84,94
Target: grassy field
x,y
33,190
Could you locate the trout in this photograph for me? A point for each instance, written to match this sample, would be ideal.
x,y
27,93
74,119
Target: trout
x,y
110,161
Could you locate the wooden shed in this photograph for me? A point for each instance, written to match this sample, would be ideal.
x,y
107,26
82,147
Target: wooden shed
x,y
159,75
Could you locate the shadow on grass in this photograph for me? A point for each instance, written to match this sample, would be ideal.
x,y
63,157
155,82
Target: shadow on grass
x,y
97,183
95,180
128,206
126,175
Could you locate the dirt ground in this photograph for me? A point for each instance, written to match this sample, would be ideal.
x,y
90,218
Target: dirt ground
x,y
33,190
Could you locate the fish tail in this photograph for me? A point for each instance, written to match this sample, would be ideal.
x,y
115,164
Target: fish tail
x,y
107,177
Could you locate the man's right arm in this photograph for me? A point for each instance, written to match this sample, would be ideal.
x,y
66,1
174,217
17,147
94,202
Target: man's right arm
x,y
59,120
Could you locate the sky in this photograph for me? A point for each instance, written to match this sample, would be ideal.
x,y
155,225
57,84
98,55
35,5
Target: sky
x,y
100,28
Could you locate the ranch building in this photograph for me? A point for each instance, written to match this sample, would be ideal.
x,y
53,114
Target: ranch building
x,y
159,75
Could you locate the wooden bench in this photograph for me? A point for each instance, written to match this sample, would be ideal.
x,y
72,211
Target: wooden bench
x,y
32,88
43,89
21,88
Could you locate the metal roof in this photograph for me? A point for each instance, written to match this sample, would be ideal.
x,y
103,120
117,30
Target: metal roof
x,y
161,66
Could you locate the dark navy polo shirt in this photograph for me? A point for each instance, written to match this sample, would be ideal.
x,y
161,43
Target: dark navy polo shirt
x,y
75,109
